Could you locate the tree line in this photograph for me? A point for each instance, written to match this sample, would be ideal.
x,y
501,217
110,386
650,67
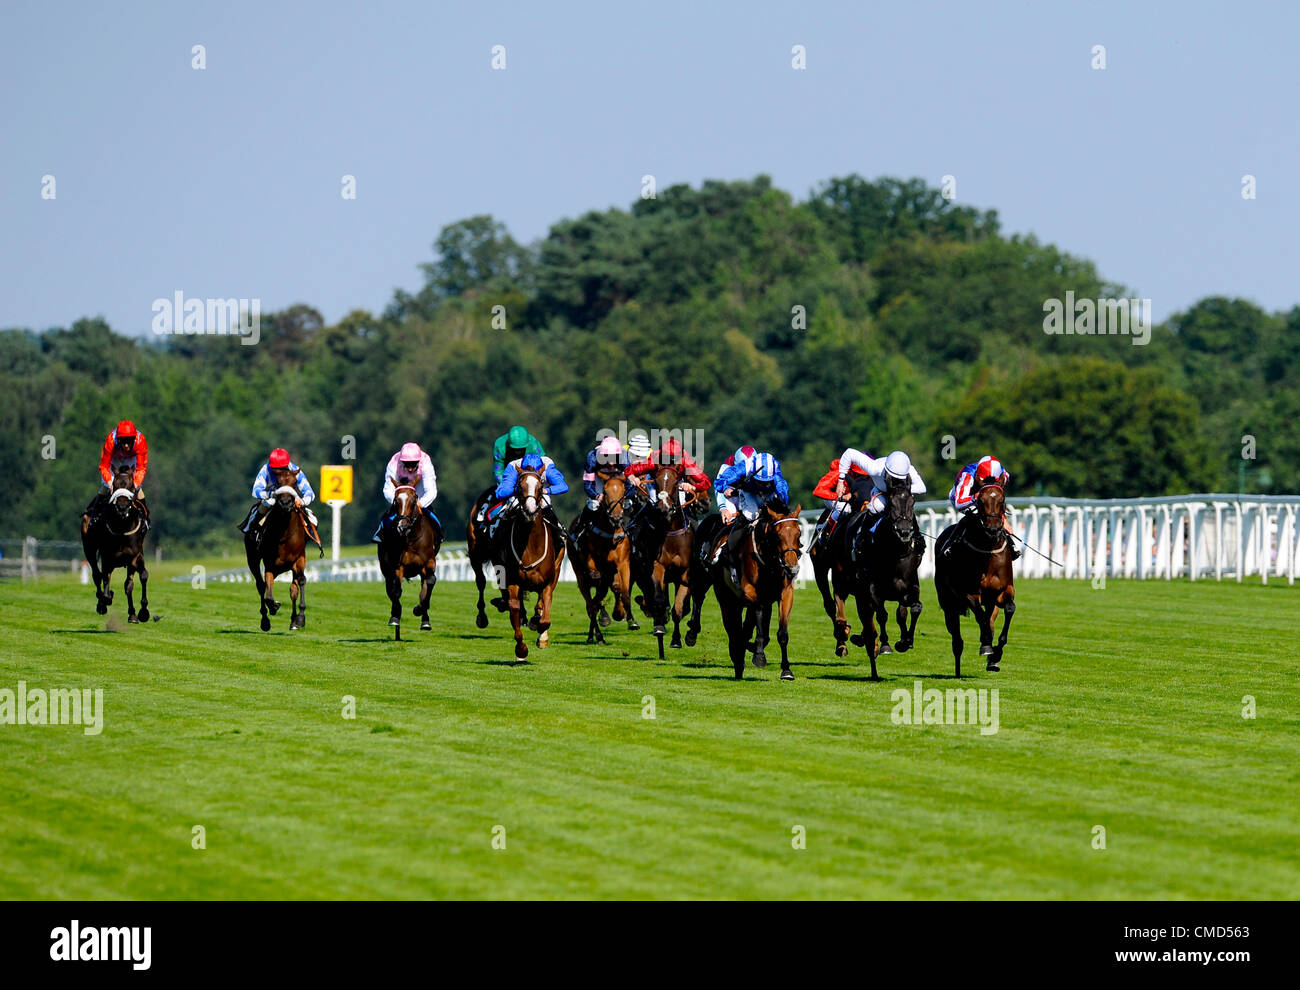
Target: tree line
x,y
876,314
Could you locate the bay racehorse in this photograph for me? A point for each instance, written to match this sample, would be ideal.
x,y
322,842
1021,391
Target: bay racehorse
x,y
408,547
976,575
117,540
760,575
601,559
277,544
661,554
529,552
885,554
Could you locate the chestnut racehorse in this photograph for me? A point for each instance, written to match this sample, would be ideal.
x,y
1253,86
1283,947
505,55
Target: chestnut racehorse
x,y
763,576
278,545
529,553
601,559
408,547
661,554
117,540
977,576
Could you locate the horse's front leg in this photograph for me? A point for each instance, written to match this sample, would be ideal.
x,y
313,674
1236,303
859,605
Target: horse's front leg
x,y
297,602
1008,610
544,612
480,620
737,638
516,606
96,575
679,609
129,587
393,585
840,620
908,613
866,615
428,578
144,588
783,630
268,595
882,621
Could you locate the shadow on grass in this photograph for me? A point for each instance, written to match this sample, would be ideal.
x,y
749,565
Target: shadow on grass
x,y
372,639
83,632
506,663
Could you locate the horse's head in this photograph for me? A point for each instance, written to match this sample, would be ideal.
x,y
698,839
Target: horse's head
x,y
528,493
782,531
123,497
991,506
614,498
406,507
666,482
286,488
900,509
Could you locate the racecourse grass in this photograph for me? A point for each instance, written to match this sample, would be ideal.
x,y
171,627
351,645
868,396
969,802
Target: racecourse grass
x,y
1120,707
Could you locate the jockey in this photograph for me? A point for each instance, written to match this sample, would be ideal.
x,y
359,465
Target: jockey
x,y
879,469
264,486
124,448
410,466
553,483
743,487
988,470
640,463
607,459
512,445
670,452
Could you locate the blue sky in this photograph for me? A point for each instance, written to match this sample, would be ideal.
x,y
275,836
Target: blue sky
x,y
226,181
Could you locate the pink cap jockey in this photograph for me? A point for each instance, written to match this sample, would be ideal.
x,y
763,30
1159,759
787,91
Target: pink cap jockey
x,y
610,447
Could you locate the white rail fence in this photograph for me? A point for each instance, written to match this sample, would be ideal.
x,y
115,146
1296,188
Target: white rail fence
x,y
1193,536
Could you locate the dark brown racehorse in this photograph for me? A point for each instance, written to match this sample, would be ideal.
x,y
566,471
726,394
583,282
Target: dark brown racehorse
x,y
884,555
479,548
530,553
280,547
408,547
117,540
600,559
763,576
977,575
829,557
661,554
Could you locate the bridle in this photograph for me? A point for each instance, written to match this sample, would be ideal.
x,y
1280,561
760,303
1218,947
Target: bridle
x,y
770,525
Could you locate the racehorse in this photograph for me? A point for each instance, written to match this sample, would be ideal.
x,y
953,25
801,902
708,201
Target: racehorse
x,y
529,555
278,545
763,575
976,575
408,547
479,548
600,559
117,540
884,559
661,554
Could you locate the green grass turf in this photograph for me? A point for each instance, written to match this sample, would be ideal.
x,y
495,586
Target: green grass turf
x,y
1120,707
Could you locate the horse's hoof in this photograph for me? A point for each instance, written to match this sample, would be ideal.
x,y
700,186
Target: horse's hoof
x,y
993,666
144,615
273,607
266,624
521,651
760,660
986,651
841,650
633,625
132,619
426,625
857,640
480,620
604,618
675,644
101,608
394,621
690,639
787,675
884,648
903,647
